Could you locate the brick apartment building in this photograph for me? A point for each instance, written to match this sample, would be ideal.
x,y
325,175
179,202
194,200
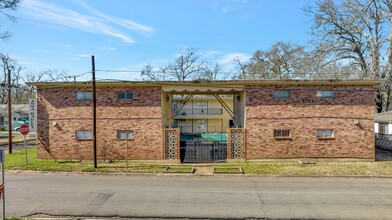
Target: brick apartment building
x,y
268,119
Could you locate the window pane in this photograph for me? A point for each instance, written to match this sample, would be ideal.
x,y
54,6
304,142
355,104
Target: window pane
x,y
131,134
79,134
83,96
121,95
84,134
328,133
324,94
129,95
282,93
320,133
88,96
123,134
79,96
324,133
88,134
125,95
282,133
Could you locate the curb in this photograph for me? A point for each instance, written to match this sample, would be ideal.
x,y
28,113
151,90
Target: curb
x,y
64,173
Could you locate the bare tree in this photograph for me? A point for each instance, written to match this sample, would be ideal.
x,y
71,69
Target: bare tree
x,y
282,61
187,66
149,74
54,75
355,32
213,72
18,92
6,5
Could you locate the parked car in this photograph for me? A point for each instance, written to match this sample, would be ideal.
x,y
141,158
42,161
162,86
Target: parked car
x,y
17,129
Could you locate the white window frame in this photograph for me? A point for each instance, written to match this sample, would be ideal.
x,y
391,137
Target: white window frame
x,y
278,93
83,96
278,133
122,134
322,94
323,133
83,134
126,93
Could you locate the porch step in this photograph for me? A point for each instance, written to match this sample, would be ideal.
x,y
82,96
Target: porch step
x,y
204,170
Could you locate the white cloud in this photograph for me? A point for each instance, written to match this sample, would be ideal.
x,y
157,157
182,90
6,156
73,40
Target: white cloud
x,y
209,53
99,24
131,25
82,55
229,58
229,6
108,48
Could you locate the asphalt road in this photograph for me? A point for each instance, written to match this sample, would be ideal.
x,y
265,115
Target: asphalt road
x,y
198,196
19,146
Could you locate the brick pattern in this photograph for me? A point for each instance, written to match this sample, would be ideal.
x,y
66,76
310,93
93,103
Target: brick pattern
x,y
303,113
60,115
230,142
177,131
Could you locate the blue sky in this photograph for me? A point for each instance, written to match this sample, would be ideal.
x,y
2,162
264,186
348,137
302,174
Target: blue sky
x,y
128,34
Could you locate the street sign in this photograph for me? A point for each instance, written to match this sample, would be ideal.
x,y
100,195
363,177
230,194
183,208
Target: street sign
x,y
33,114
24,129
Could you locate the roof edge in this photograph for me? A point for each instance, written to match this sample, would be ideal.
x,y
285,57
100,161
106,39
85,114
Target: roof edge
x,y
198,82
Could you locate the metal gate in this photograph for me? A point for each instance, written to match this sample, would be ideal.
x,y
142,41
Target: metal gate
x,y
384,141
205,152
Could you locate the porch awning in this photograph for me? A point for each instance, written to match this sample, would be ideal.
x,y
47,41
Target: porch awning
x,y
202,89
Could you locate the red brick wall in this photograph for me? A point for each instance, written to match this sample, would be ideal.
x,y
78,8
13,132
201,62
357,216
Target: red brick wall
x,y
303,113
60,115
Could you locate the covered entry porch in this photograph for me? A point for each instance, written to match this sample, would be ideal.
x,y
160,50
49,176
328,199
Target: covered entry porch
x,y
203,124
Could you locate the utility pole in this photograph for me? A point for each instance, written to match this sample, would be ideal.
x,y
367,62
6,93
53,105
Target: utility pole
x,y
94,113
9,114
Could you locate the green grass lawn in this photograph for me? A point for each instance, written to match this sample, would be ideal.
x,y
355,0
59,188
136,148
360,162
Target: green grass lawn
x,y
179,169
16,161
227,169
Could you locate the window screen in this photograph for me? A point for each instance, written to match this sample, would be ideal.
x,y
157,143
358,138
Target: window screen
x,y
123,134
282,93
125,95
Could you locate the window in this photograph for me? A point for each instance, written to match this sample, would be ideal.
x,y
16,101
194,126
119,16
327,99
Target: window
x,y
83,96
282,133
122,134
201,104
125,95
83,134
324,94
383,128
282,93
324,133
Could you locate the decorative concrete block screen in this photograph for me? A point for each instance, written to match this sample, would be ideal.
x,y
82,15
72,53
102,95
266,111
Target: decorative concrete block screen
x,y
236,143
171,143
